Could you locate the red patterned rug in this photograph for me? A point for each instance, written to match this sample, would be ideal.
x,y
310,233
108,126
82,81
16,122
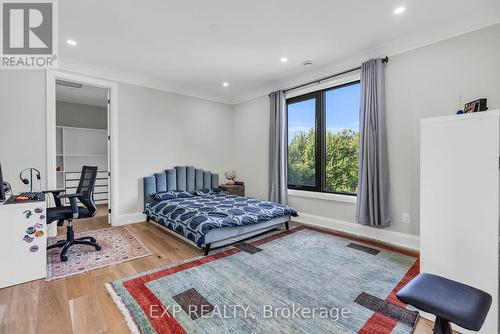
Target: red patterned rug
x,y
118,245
303,280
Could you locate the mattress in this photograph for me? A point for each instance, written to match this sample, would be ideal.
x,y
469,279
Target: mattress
x,y
195,217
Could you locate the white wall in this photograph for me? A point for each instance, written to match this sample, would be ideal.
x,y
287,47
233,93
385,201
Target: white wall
x,y
421,83
81,115
251,142
429,82
22,124
159,130
156,130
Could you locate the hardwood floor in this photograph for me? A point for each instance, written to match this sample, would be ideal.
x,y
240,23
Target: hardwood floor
x,y
80,303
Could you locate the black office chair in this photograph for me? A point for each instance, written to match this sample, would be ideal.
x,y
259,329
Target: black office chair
x,y
85,194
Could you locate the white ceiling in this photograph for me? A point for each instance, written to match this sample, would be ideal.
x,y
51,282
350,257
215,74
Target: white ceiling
x,y
171,43
88,95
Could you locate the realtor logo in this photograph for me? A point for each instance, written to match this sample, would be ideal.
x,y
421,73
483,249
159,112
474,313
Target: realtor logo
x,y
28,37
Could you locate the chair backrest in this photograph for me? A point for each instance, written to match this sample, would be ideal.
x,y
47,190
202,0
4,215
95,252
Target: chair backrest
x,y
86,188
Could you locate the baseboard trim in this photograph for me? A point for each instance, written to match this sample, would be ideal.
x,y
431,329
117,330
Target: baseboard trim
x,y
129,218
399,239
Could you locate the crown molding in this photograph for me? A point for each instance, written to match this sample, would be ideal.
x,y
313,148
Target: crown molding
x,y
392,48
111,74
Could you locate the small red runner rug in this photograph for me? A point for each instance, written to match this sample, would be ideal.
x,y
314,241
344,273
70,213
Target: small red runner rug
x,y
117,245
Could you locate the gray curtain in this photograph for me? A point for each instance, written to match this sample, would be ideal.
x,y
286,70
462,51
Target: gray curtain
x,y
278,164
373,207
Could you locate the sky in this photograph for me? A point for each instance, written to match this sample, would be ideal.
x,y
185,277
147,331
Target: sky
x,y
342,111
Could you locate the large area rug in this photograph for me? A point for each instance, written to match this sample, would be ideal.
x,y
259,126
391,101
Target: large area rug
x,y
118,245
299,281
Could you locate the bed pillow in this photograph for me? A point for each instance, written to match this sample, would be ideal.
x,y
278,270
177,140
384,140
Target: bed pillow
x,y
206,192
166,195
182,193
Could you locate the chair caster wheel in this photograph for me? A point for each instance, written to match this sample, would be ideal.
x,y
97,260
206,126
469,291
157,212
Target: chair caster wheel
x,y
93,240
98,248
64,258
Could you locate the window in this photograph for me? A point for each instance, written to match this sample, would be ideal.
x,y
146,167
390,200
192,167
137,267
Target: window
x,y
302,142
323,136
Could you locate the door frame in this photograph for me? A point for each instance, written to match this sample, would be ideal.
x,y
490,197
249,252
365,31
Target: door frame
x,y
52,76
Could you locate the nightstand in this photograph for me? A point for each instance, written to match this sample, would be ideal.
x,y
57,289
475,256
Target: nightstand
x,y
234,189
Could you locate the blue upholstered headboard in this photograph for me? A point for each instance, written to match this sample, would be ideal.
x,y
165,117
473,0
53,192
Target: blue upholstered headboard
x,y
185,178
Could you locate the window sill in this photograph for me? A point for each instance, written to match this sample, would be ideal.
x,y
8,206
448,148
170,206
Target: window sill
x,y
323,196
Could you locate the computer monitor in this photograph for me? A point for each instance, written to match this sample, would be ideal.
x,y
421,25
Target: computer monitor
x,y
2,191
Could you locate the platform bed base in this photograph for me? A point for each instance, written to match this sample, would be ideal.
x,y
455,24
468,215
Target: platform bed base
x,y
209,246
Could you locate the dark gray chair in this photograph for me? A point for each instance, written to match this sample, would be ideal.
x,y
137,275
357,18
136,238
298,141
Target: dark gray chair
x,y
448,300
84,194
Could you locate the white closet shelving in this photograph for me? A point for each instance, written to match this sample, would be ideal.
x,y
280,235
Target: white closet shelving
x,y
76,147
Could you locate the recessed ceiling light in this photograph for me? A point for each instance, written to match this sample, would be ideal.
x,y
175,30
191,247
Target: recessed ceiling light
x,y
214,26
225,84
399,10
307,63
71,42
283,59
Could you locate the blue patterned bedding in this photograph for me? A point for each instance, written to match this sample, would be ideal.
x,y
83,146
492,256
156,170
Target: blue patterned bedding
x,y
194,217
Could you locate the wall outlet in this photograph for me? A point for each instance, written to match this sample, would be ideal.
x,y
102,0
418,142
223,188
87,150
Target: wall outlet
x,y
405,218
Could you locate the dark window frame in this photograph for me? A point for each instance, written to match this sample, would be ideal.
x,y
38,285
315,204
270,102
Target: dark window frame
x,y
320,150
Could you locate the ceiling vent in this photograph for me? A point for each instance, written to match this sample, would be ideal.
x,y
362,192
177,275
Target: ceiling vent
x,y
68,84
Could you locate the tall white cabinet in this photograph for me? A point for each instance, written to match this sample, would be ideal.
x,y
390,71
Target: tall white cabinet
x,y
77,147
460,202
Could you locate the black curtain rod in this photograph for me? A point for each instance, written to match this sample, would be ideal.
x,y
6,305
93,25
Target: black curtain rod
x,y
317,81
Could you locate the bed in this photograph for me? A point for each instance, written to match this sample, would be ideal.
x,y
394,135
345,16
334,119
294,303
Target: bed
x,y
188,201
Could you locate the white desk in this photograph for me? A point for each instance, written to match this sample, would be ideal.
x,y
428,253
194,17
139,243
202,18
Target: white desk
x,y
23,254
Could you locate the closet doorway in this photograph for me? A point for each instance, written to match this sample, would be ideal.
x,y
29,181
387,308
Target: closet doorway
x,y
79,127
82,138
